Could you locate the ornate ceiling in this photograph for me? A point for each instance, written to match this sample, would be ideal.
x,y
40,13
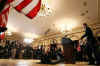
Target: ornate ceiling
x,y
71,13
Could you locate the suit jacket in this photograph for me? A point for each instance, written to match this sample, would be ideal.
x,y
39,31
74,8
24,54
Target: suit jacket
x,y
90,37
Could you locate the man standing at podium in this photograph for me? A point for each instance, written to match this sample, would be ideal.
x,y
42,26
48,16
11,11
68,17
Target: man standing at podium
x,y
91,43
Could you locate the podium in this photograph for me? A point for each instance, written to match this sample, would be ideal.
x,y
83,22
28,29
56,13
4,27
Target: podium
x,y
68,54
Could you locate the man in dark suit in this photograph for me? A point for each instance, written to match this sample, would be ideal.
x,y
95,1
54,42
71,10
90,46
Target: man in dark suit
x,y
90,43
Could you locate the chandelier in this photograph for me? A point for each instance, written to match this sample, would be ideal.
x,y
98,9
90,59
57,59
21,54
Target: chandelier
x,y
45,9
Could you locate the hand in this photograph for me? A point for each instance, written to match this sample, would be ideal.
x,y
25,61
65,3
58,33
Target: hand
x,y
80,39
80,42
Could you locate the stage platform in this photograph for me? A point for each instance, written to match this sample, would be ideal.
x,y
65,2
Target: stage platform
x,y
14,62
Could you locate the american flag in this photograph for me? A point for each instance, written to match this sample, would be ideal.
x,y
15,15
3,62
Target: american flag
x,y
4,17
30,8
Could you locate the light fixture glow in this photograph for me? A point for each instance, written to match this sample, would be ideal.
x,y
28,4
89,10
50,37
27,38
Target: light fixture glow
x,y
66,24
12,28
30,35
45,9
9,33
28,40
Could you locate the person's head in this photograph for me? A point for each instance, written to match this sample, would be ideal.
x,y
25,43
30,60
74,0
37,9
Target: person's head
x,y
65,35
53,41
85,25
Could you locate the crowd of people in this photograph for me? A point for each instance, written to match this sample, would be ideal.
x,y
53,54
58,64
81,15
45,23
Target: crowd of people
x,y
15,50
81,50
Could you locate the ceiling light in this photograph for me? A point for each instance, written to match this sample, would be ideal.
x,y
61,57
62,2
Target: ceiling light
x,y
45,9
30,35
66,24
28,40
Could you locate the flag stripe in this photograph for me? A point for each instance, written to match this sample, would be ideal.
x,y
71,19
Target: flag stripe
x,y
4,20
28,8
2,35
9,1
0,20
5,10
7,6
4,16
16,2
34,11
23,4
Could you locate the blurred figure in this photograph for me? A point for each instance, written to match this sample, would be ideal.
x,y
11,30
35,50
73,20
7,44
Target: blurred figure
x,y
90,45
1,50
53,48
28,52
97,53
